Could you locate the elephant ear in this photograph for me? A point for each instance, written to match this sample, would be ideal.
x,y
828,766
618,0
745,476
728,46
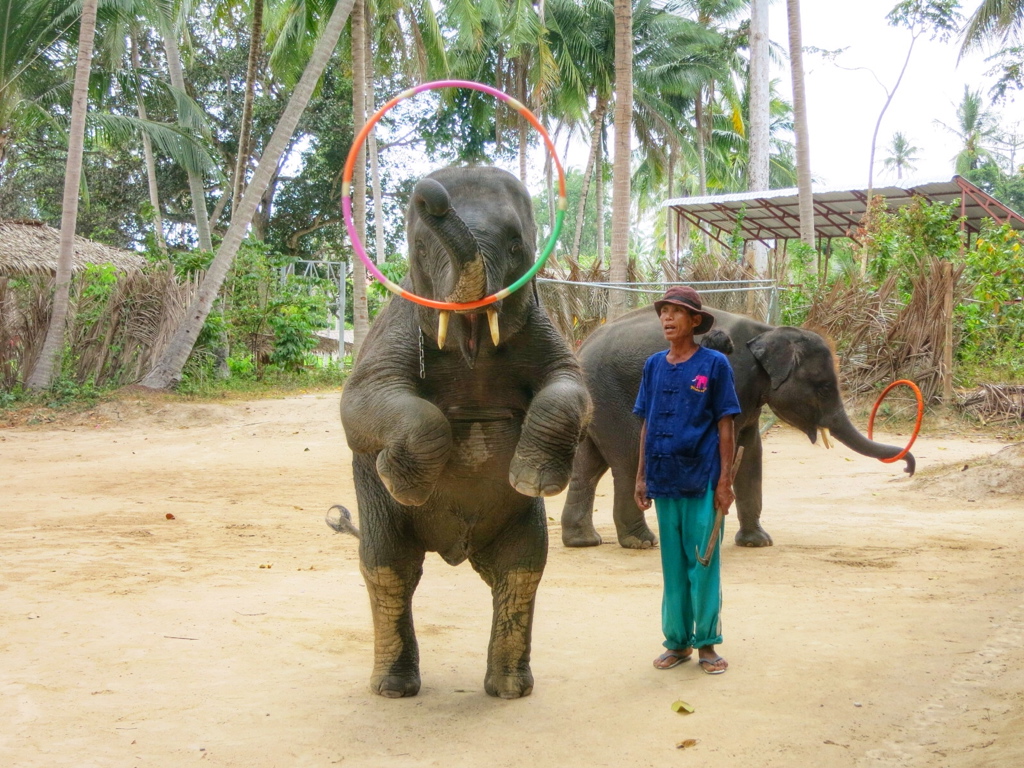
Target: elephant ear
x,y
776,353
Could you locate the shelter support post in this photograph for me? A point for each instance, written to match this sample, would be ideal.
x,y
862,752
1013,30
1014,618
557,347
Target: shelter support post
x,y
342,276
947,343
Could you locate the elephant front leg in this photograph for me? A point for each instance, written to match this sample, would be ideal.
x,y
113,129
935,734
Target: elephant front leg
x,y
410,436
512,567
748,491
543,460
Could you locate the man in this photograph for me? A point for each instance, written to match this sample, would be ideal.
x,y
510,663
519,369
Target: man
x,y
687,400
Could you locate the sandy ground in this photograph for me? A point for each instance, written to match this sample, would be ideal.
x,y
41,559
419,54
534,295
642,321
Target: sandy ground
x,y
884,628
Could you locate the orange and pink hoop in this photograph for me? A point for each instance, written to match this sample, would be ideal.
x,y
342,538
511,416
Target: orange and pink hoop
x,y
357,243
917,425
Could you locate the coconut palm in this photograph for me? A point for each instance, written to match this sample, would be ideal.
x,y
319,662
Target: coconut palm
x,y
803,148
994,20
619,257
27,28
902,155
48,364
974,126
168,368
759,98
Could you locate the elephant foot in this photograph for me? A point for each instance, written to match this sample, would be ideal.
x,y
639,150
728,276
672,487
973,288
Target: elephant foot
x,y
753,537
531,481
580,536
395,686
642,539
513,686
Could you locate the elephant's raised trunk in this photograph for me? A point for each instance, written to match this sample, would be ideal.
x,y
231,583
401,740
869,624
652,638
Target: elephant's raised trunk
x,y
435,210
841,428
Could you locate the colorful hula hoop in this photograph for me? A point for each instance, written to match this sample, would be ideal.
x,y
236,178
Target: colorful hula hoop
x,y
346,196
917,426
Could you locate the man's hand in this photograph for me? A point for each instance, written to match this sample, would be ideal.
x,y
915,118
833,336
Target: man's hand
x,y
640,494
724,496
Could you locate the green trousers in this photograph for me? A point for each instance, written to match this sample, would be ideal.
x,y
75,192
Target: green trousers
x,y
691,604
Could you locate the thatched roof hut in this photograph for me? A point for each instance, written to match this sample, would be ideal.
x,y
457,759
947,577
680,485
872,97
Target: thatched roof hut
x,y
31,247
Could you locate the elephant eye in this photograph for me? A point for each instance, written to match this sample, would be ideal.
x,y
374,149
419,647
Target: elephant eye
x,y
419,246
516,249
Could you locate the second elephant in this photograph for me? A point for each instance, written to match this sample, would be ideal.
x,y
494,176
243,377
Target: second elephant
x,y
790,370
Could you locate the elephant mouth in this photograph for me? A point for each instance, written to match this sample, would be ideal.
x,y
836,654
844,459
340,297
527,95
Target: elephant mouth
x,y
470,327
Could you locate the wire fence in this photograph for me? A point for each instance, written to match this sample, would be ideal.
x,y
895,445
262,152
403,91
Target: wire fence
x,y
577,308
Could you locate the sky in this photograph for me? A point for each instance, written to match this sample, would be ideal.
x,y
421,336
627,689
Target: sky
x,y
843,106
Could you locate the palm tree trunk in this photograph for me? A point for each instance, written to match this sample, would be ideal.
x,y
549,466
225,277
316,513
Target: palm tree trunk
x,y
759,119
167,370
618,271
588,174
360,307
599,194
147,153
670,250
245,129
48,364
803,148
524,134
195,180
702,163
371,106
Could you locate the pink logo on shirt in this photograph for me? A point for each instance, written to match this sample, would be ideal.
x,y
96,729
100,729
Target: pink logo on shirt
x,y
700,383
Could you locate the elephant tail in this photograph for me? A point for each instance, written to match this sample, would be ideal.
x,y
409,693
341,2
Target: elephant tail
x,y
342,522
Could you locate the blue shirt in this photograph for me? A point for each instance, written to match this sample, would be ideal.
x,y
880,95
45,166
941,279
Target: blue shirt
x,y
683,404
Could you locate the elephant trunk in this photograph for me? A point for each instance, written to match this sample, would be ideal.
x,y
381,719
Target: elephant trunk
x,y
435,210
844,431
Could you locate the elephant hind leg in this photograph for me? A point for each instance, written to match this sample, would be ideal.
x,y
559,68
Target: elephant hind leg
x,y
578,513
630,523
512,566
396,656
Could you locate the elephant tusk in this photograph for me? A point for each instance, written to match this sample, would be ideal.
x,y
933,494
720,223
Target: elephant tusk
x,y
492,321
442,328
825,438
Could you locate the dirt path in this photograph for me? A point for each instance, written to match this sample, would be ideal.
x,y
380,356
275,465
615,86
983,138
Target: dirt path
x,y
884,628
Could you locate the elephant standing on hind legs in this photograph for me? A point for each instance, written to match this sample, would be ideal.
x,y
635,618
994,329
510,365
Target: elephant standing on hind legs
x,y
460,423
790,370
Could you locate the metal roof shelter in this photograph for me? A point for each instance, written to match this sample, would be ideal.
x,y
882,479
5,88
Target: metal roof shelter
x,y
775,214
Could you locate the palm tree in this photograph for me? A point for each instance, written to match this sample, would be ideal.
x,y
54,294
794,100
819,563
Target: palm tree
x,y
993,20
974,126
171,26
48,364
759,97
168,368
803,148
902,155
360,307
27,29
619,266
245,127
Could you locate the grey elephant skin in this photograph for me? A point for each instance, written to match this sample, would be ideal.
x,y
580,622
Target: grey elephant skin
x,y
790,370
456,438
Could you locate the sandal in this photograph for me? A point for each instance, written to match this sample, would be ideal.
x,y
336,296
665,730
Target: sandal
x,y
672,658
710,668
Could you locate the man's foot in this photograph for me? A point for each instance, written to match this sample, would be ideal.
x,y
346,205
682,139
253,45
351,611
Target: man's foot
x,y
711,662
673,658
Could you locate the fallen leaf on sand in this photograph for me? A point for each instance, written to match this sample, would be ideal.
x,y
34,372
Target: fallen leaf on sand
x,y
687,743
682,707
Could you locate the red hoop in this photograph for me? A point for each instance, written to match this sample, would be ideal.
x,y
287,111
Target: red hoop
x,y
917,426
